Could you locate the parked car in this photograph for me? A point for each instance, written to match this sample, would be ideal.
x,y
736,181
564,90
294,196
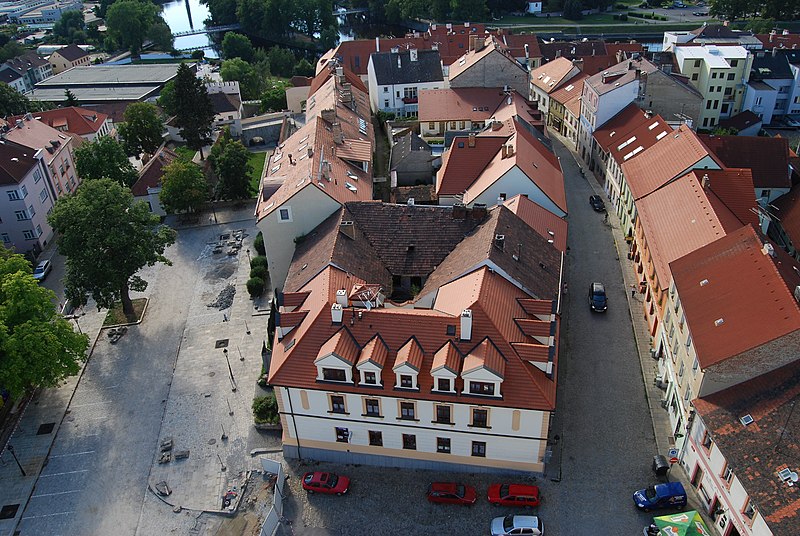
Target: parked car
x,y
791,121
665,495
513,495
41,270
330,483
451,493
514,525
597,297
700,13
597,203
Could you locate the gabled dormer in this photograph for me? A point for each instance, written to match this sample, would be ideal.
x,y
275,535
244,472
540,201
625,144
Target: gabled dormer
x,y
287,321
371,362
445,367
483,370
407,365
336,358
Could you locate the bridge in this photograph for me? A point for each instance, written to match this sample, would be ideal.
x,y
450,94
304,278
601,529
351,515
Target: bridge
x,y
350,11
209,30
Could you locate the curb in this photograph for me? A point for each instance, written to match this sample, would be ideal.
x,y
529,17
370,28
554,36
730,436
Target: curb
x,y
135,323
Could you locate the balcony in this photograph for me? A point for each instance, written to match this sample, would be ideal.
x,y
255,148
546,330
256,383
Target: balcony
x,y
410,100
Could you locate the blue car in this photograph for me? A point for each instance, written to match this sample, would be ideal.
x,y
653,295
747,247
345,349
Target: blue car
x,y
666,495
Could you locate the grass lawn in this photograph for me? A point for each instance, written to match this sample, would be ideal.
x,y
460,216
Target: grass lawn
x,y
115,315
256,160
600,18
184,152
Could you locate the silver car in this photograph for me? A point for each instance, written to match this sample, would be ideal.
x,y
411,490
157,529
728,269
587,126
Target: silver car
x,y
41,270
517,525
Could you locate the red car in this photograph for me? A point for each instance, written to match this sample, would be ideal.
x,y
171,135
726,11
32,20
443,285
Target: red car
x,y
330,483
514,495
451,493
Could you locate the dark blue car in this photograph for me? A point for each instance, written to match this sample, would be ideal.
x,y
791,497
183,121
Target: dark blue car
x,y
597,297
666,495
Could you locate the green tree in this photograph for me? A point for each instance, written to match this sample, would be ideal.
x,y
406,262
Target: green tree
x,y
183,187
230,161
68,24
107,238
12,49
161,36
304,68
129,23
732,9
167,99
250,83
236,45
104,158
222,11
193,111
468,9
12,102
70,98
142,131
281,61
38,348
572,10
274,97
101,9
251,14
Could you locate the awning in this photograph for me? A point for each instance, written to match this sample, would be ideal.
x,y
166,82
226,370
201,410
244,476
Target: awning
x,y
682,524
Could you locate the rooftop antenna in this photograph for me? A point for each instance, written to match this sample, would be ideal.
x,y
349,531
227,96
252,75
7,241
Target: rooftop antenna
x,y
783,430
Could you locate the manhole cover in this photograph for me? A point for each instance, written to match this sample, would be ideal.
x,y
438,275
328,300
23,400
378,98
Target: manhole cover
x,y
9,511
211,374
221,343
210,442
46,428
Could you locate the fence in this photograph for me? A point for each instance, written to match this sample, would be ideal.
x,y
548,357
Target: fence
x,y
273,517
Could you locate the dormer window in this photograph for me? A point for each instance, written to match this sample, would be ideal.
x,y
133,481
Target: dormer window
x,y
483,370
443,384
336,358
406,381
445,367
371,360
407,365
369,378
481,388
334,375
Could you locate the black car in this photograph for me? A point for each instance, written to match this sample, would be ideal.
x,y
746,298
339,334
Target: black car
x,y
597,297
597,203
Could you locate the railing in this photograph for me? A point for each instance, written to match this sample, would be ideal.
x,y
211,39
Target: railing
x,y
273,518
209,30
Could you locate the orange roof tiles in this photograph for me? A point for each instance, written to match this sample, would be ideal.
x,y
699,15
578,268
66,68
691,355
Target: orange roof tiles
x,y
767,157
464,162
734,189
447,357
571,90
410,354
630,132
81,121
375,352
342,345
550,76
485,356
669,157
678,219
734,296
787,210
459,104
544,222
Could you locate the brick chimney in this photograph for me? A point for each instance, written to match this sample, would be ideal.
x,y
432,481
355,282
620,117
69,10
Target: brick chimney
x,y
471,142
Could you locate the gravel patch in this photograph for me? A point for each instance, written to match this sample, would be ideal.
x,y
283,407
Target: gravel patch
x,y
224,298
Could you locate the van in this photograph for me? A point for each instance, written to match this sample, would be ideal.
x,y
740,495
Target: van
x,y
666,495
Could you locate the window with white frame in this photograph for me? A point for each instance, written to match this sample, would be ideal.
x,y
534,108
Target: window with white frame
x,y
31,211
727,474
749,509
444,384
334,375
369,377
21,215
29,235
24,191
43,195
285,214
13,195
6,238
481,388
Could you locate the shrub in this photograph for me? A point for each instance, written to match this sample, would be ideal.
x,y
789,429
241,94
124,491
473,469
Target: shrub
x,y
623,17
259,244
255,287
258,261
259,272
265,409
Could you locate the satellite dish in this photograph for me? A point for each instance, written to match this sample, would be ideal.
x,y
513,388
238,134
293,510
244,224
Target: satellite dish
x,y
793,477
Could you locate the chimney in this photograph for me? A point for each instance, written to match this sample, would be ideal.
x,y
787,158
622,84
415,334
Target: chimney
x,y
478,211
336,313
638,74
508,151
291,160
499,241
341,297
471,139
558,53
412,53
497,125
466,325
410,202
768,249
310,152
399,63
338,136
329,115
377,44
459,211
706,182
339,71
785,32
630,65
348,229
28,117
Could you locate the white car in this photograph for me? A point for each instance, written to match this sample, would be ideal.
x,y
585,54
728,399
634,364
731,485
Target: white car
x,y
517,525
41,270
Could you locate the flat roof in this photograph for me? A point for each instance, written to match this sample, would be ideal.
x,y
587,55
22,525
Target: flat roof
x,y
94,94
93,75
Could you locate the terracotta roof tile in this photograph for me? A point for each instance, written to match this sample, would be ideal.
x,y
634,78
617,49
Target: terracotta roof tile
x,y
71,52
485,355
552,51
292,299
630,132
375,351
342,345
458,104
745,301
619,75
81,121
571,90
669,157
534,328
787,210
758,451
767,157
464,162
152,172
548,225
551,76
411,354
734,188
291,319
447,357
539,353
740,121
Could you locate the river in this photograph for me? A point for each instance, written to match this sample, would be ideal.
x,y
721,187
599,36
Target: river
x,y
182,15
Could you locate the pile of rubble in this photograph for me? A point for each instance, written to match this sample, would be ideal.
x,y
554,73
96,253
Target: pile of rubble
x,y
224,299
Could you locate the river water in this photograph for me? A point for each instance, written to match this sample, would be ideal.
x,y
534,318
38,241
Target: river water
x,y
182,15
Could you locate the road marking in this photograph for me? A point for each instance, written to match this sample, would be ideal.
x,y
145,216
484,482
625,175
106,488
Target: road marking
x,y
65,473
73,454
50,515
57,493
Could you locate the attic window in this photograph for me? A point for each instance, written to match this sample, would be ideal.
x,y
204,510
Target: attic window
x,y
719,321
362,126
569,88
352,175
704,282
661,135
474,108
350,187
451,330
462,61
304,139
275,169
461,145
746,419
654,125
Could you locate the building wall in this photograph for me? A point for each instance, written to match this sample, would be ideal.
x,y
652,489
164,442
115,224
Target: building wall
x,y
60,64
296,98
794,98
761,102
516,439
493,70
514,182
308,208
438,128
414,167
35,201
668,98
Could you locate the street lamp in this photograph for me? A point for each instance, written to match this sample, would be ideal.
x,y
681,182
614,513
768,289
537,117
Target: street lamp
x,y
13,455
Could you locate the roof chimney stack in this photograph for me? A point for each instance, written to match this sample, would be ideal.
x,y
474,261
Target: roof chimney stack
x,y
471,142
466,325
336,313
412,54
341,297
459,211
706,182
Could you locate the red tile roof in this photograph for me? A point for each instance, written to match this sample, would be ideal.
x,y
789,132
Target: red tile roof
x,y
375,352
734,188
779,40
485,356
447,357
151,174
680,218
767,157
341,344
81,121
571,90
410,354
734,296
630,132
462,164
759,451
787,210
459,104
551,76
669,157
544,222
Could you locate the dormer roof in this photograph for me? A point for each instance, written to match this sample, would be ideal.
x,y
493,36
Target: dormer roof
x,y
485,355
342,345
409,354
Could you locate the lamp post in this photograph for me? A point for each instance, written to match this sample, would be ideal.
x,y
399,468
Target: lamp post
x,y
213,209
14,455
248,254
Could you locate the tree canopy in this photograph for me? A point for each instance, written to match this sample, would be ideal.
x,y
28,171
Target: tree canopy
x,y
193,111
12,102
71,26
183,187
273,99
142,131
235,45
107,238
766,9
70,99
130,22
37,346
230,161
104,158
250,82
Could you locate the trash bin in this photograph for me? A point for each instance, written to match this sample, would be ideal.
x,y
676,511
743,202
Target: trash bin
x,y
660,465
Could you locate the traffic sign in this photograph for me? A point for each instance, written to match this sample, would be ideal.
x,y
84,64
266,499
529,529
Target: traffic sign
x,y
673,453
673,460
